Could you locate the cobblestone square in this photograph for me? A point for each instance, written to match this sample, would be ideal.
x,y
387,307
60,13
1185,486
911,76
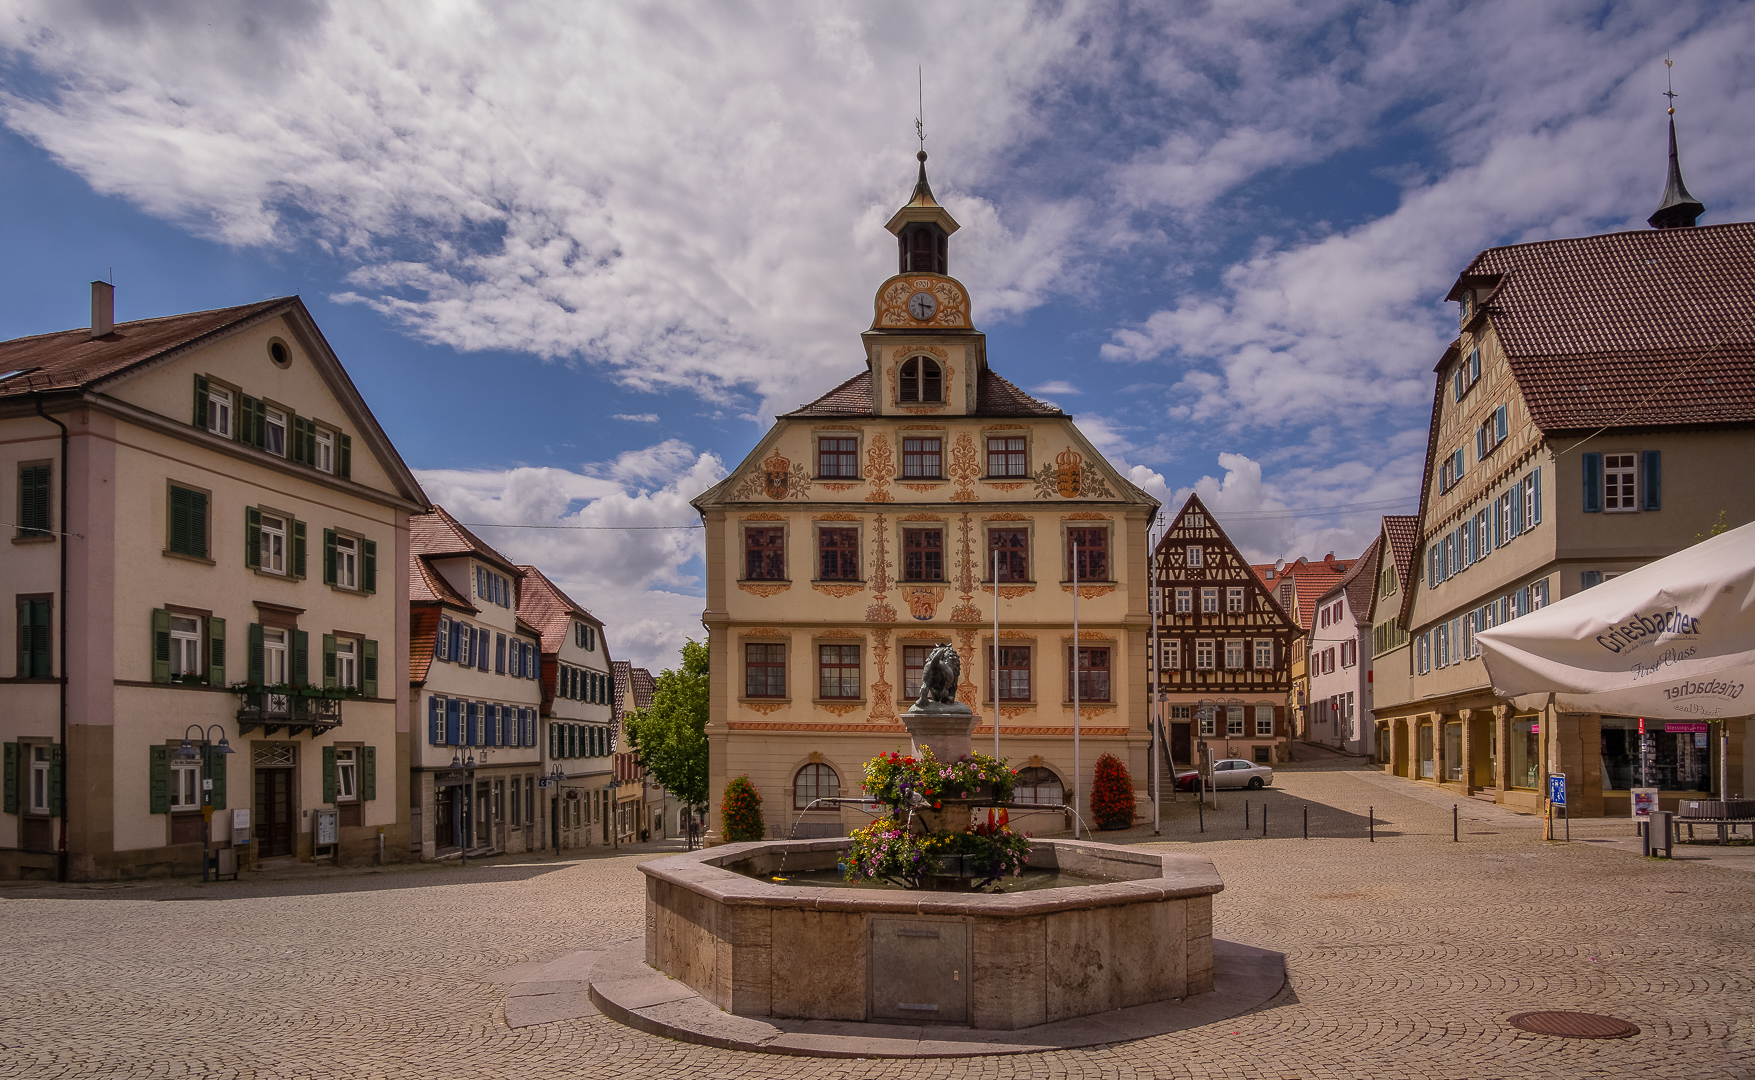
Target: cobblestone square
x,y
1405,958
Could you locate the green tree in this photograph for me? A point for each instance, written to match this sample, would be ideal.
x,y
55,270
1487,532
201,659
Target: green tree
x,y
670,737
1719,526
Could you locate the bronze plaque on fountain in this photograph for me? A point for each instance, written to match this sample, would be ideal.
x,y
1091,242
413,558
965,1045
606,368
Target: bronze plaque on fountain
x,y
919,970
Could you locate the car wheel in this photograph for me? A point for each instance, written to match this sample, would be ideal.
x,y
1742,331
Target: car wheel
x,y
1255,783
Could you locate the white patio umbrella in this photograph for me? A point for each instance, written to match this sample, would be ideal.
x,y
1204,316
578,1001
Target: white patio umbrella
x,y
1672,640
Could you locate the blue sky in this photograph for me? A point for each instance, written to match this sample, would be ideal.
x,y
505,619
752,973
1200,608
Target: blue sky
x,y
575,255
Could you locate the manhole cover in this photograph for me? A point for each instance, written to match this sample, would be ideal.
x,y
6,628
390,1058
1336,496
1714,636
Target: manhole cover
x,y
1574,1025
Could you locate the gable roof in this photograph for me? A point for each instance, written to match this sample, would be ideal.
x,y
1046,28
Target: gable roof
x,y
1171,555
1359,583
1403,533
1630,329
439,535
427,586
71,362
1311,580
994,396
550,610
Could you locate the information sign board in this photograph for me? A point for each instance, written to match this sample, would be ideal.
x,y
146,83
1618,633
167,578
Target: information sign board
x,y
1557,789
1686,727
1645,800
327,828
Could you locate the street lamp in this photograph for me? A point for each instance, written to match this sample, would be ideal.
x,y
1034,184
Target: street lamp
x,y
615,811
461,759
187,752
555,778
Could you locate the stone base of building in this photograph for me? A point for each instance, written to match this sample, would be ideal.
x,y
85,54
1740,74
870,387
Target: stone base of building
x,y
358,847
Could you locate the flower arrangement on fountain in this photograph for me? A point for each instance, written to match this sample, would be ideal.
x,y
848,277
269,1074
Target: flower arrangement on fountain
x,y
890,848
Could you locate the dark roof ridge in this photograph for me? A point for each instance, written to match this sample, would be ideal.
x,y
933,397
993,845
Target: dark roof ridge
x,y
1653,233
252,306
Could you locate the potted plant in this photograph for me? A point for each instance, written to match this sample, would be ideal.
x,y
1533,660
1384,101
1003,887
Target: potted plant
x,y
740,812
1112,794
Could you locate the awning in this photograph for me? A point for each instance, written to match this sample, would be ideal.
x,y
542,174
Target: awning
x,y
1672,640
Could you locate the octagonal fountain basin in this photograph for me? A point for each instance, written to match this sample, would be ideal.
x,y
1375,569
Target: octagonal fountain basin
x,y
1099,928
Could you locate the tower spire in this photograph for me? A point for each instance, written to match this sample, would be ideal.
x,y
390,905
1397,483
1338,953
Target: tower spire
x,y
1679,210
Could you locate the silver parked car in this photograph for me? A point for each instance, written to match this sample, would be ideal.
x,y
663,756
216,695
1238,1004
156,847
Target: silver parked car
x,y
1237,773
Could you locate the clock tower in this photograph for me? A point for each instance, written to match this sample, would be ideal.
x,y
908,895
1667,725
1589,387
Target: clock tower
x,y
923,350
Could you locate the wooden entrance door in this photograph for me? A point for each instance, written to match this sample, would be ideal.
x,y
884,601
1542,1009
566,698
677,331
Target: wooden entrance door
x,y
274,812
1181,746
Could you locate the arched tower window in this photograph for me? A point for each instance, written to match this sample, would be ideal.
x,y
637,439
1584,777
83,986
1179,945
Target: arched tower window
x,y
815,781
922,380
924,249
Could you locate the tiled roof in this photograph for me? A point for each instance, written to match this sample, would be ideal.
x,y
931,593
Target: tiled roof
x,y
1637,328
1312,580
70,359
427,586
619,672
1359,582
423,624
438,535
644,686
543,605
994,396
1403,531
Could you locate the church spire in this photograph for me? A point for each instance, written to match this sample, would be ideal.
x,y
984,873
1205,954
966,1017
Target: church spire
x,y
1679,209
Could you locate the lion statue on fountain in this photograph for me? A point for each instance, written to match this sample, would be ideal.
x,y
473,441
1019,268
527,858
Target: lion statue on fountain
x,y
939,678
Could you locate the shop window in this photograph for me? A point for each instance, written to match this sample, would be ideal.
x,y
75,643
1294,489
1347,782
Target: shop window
x,y
1674,760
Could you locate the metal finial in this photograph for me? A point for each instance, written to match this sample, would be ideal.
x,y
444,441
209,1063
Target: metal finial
x,y
1670,83
920,116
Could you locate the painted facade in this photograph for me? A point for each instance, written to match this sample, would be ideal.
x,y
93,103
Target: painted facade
x,y
578,710
221,544
863,530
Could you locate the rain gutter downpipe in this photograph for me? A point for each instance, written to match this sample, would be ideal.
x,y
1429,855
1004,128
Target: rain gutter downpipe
x,y
61,621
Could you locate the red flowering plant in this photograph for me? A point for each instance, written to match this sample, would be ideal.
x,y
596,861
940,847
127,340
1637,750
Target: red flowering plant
x,y
893,779
1112,794
740,812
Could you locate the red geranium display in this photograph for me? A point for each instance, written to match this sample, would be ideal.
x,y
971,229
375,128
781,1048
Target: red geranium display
x,y
1112,794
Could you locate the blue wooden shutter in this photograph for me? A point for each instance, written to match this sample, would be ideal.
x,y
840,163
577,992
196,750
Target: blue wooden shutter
x,y
1517,509
442,640
453,722
1651,497
456,641
1593,483
1535,482
499,654
435,722
1501,426
475,723
481,649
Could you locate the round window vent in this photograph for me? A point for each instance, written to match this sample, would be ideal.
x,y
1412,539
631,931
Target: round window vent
x,y
279,353
1574,1025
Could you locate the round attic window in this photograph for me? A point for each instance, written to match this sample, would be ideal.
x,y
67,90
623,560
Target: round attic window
x,y
279,353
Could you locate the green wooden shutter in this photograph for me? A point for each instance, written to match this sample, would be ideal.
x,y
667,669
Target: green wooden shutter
x,y
216,651
255,673
214,769
200,401
301,658
198,524
55,760
159,778
34,503
33,639
298,550
299,427
328,556
161,645
252,537
369,566
369,667
11,778
182,538
368,773
329,774
344,456
329,666
253,421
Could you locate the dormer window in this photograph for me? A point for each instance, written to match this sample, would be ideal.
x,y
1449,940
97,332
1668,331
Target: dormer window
x,y
1468,305
922,381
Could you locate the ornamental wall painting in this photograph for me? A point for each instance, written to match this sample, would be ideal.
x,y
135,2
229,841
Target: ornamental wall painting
x,y
778,478
1070,477
880,468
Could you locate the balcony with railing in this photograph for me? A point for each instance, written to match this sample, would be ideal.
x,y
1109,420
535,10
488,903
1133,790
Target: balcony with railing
x,y
295,710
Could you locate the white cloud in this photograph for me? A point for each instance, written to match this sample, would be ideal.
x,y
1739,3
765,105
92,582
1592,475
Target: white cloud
x,y
638,418
1055,386
635,577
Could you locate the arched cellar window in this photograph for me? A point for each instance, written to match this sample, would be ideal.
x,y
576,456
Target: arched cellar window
x,y
815,781
1038,787
922,380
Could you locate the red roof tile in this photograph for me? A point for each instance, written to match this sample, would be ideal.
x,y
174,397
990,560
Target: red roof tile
x,y
427,586
543,605
1403,531
994,396
423,624
438,535
1359,582
71,359
1312,580
1629,329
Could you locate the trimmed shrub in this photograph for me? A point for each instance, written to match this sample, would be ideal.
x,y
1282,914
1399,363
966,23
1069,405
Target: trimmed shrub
x,y
740,812
1112,794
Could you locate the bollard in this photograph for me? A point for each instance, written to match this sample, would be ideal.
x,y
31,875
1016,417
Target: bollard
x,y
1453,833
1264,821
1307,823
1200,801
1371,816
1245,815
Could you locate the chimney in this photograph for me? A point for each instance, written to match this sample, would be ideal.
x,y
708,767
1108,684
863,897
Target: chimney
x,y
103,309
1329,559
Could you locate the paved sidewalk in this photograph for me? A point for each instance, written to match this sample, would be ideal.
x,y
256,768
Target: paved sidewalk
x,y
1405,957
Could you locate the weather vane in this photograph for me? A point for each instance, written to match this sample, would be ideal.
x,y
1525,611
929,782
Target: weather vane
x,y
1670,84
920,117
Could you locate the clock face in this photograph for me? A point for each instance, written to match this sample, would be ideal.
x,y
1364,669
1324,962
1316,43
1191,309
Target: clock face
x,y
923,306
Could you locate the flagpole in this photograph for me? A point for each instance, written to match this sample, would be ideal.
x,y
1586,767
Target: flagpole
x,y
1078,781
995,654
1155,598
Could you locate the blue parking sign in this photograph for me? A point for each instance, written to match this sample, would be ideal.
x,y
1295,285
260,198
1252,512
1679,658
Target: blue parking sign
x,y
1557,789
